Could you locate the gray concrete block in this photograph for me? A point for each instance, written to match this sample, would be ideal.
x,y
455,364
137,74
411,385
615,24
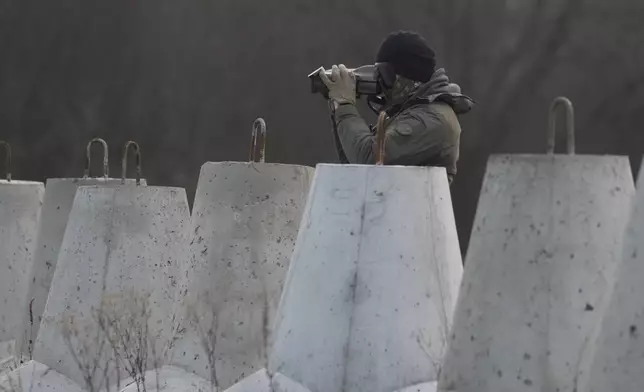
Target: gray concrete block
x,y
424,387
259,381
545,244
20,207
58,199
281,383
114,283
618,363
373,281
245,222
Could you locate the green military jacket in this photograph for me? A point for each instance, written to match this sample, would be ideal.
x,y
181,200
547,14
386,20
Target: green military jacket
x,y
427,134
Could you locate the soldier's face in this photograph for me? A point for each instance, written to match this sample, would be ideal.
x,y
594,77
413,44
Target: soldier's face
x,y
388,93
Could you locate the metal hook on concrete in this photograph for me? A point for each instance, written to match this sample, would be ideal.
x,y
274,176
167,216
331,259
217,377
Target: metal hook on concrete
x,y
570,125
88,159
380,138
259,133
137,155
7,151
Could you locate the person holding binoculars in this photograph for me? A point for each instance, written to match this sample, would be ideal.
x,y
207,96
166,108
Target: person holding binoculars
x,y
421,104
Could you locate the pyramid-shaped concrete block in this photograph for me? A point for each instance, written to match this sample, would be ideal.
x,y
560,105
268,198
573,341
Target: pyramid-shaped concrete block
x,y
108,311
619,354
544,247
245,222
58,199
373,281
20,207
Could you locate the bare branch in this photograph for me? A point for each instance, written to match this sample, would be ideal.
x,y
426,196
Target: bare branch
x,y
13,385
207,328
82,351
121,341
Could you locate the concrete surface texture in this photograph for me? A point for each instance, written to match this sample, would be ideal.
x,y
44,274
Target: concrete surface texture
x,y
107,316
174,379
168,379
20,206
58,199
373,281
281,383
424,387
545,245
261,381
245,222
619,357
36,377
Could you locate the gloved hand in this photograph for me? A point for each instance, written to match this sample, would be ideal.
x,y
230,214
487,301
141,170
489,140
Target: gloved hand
x,y
341,85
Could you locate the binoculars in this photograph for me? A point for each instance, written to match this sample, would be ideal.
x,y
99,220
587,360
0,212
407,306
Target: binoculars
x,y
371,80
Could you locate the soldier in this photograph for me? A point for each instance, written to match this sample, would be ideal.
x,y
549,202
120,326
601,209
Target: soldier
x,y
422,107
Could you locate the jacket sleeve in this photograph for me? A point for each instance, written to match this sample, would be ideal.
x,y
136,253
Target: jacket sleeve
x,y
410,140
342,157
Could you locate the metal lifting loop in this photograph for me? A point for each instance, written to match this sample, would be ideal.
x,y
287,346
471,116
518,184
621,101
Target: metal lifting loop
x,y
259,133
137,155
570,125
380,139
88,159
7,151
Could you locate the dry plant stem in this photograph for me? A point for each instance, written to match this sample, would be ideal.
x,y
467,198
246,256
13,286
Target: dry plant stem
x,y
208,336
89,364
123,342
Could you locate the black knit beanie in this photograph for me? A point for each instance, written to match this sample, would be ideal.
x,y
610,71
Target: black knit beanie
x,y
409,54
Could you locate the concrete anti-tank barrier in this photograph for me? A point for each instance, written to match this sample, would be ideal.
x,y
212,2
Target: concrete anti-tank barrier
x,y
542,256
58,199
619,354
373,280
245,221
107,316
20,206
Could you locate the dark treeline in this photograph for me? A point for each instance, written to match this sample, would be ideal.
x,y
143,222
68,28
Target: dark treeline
x,y
186,79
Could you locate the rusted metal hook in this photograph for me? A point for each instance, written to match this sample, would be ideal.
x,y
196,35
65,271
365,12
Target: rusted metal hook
x,y
7,151
88,158
258,137
380,138
570,125
137,155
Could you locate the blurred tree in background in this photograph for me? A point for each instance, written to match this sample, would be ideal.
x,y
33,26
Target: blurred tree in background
x,y
186,79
